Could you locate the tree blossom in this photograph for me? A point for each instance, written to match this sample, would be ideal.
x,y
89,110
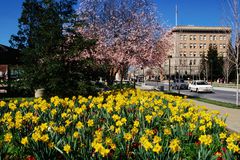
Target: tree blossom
x,y
127,33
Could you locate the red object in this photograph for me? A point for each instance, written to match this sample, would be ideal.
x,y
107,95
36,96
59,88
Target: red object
x,y
189,134
198,143
219,154
30,158
224,149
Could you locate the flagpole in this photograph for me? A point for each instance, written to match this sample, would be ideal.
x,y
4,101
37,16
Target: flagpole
x,y
176,18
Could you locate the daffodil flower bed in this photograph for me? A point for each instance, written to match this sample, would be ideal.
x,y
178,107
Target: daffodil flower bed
x,y
126,124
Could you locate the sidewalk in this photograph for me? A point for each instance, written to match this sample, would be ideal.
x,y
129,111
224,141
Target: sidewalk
x,y
233,119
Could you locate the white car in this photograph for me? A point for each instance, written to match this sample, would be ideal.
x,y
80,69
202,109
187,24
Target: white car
x,y
200,86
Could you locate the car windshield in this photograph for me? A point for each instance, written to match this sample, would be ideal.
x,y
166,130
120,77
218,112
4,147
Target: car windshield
x,y
202,83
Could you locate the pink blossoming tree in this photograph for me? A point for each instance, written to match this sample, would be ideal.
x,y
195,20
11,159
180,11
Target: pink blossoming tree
x,y
127,33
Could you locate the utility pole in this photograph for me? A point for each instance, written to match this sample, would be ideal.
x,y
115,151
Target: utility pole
x,y
169,73
134,79
190,64
179,81
211,62
236,19
237,66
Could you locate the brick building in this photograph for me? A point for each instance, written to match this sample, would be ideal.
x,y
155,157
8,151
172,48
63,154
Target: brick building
x,y
190,43
8,57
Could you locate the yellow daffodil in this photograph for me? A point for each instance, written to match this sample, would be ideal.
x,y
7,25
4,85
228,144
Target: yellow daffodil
x,y
148,118
2,103
205,139
175,145
222,135
167,131
8,137
79,125
157,148
127,136
44,138
24,141
90,123
67,148
157,139
136,123
76,134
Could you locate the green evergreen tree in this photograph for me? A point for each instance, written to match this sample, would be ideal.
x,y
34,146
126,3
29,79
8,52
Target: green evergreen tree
x,y
215,64
203,67
50,47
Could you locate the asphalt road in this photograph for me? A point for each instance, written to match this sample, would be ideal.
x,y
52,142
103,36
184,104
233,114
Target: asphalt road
x,y
218,95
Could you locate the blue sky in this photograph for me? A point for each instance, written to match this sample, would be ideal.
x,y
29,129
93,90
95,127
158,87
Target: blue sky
x,y
191,12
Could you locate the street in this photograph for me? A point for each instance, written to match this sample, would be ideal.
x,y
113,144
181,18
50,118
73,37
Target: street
x,y
218,95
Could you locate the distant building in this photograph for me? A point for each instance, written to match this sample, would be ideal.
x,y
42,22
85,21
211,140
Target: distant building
x,y
9,60
190,43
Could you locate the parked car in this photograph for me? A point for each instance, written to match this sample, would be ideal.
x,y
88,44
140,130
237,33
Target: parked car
x,y
179,84
200,86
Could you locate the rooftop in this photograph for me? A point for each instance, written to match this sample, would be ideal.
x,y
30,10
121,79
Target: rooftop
x,y
9,55
201,29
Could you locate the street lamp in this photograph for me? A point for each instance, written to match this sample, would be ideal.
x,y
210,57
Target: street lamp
x,y
190,64
211,69
169,73
134,79
143,74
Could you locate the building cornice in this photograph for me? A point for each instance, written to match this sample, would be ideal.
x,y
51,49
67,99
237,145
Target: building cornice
x,y
201,29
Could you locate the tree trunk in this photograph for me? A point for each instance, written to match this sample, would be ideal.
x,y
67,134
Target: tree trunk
x,y
111,76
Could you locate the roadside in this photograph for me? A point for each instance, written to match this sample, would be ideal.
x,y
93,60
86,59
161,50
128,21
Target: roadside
x,y
232,120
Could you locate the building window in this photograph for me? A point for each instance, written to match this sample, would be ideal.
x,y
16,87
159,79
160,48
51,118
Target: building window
x,y
200,45
184,45
185,37
191,37
194,54
181,45
194,62
185,62
214,38
220,46
210,37
220,37
194,37
224,38
204,46
184,54
200,37
191,54
190,45
181,37
194,45
204,37
224,45
180,62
